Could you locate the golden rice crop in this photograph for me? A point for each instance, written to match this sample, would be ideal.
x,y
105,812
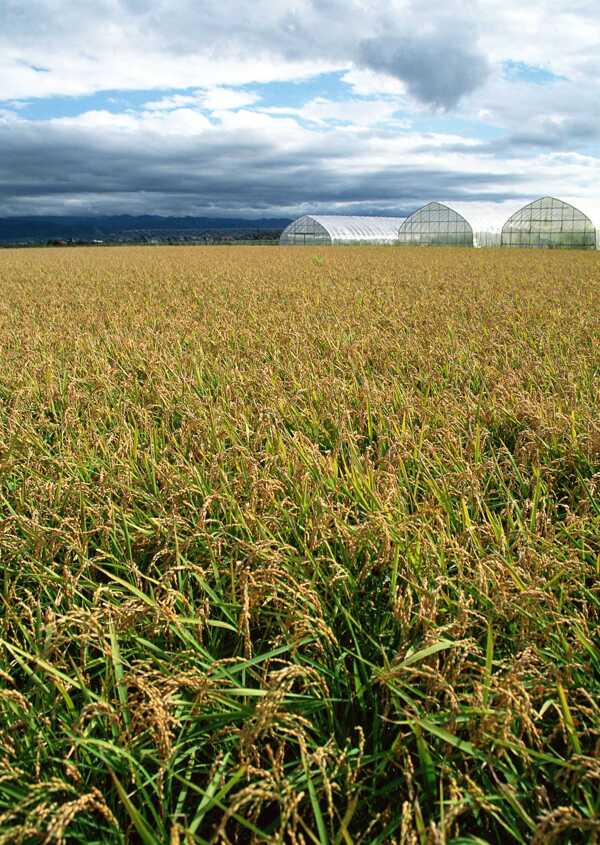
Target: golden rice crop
x,y
299,546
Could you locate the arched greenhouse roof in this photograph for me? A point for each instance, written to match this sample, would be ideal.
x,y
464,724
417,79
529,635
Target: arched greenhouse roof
x,y
341,229
436,223
551,223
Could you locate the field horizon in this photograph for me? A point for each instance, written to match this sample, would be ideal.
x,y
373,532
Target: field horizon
x,y
299,545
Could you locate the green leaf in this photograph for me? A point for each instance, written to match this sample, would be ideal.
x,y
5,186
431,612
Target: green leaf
x,y
146,835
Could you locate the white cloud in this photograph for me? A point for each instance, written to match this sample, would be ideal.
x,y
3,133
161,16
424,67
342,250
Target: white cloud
x,y
322,111
382,48
368,83
122,44
225,98
8,116
175,101
179,122
211,99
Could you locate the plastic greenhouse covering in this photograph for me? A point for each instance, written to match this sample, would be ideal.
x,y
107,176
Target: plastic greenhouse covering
x,y
340,229
549,223
436,223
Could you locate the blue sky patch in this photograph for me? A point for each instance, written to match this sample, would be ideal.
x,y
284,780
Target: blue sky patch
x,y
522,72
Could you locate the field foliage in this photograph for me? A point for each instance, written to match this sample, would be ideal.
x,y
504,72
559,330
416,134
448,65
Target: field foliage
x,y
299,546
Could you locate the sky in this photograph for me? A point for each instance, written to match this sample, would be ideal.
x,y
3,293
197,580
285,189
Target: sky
x,y
268,109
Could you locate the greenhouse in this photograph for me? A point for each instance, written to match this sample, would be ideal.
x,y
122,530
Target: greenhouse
x,y
549,223
339,229
436,223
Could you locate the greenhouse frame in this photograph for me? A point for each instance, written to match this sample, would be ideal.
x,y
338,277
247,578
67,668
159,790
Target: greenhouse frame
x,y
436,223
341,229
549,223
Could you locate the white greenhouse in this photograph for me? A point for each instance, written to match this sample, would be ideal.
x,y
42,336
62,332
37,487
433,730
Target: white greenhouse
x,y
549,223
436,223
340,229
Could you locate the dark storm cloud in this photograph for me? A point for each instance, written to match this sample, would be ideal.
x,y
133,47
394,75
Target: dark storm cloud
x,y
438,69
65,168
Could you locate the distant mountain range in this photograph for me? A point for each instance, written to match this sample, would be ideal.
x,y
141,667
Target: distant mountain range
x,y
125,227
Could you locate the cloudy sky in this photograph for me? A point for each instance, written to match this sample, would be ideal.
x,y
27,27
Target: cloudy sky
x,y
222,107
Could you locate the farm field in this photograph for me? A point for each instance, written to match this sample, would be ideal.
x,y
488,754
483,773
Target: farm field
x,y
299,545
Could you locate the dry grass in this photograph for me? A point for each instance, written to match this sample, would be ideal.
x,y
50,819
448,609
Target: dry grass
x,y
299,546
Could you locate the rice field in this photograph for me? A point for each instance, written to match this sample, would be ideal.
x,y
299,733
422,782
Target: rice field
x,y
299,546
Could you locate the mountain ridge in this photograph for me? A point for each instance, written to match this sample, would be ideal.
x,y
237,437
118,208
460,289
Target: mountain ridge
x,y
37,229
